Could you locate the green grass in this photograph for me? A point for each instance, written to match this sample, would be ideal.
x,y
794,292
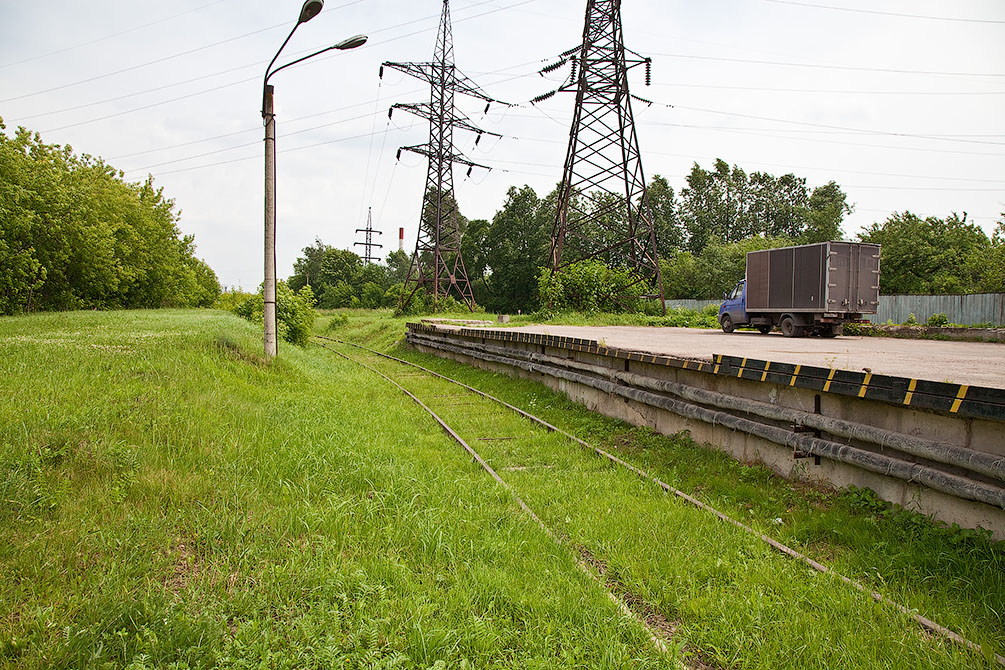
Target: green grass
x,y
954,576
170,499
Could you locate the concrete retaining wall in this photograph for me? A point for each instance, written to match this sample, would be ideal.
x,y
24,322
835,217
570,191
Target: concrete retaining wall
x,y
532,360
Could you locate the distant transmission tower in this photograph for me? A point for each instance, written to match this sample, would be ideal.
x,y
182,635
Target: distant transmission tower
x,y
603,210
369,244
437,266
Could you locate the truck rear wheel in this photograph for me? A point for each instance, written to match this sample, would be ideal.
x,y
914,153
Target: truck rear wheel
x,y
789,328
727,323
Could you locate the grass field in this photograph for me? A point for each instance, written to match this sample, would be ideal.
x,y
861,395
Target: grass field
x,y
169,499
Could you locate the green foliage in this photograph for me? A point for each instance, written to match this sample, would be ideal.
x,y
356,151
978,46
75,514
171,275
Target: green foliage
x,y
912,320
715,270
295,313
932,255
590,286
516,245
937,320
827,207
231,298
726,205
74,234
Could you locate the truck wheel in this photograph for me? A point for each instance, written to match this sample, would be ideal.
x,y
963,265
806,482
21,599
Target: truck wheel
x,y
789,328
764,330
727,323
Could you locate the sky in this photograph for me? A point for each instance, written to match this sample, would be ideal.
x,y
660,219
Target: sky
x,y
900,102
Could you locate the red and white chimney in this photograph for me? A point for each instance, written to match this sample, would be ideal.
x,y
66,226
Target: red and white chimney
x,y
401,239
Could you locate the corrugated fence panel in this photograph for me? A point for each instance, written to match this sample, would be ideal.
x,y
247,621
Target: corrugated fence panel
x,y
963,309
691,304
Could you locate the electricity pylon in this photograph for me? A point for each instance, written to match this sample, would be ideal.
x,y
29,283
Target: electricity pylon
x,y
603,209
368,245
437,266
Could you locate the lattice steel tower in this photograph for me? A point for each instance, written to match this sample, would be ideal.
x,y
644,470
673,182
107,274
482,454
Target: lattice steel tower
x,y
437,266
369,245
603,210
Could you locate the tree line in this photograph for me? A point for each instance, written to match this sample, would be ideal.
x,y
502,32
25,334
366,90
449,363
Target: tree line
x,y
702,234
74,234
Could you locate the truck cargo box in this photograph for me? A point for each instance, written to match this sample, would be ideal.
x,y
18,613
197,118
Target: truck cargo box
x,y
830,277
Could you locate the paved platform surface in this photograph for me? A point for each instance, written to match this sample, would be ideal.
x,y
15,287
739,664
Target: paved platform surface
x,y
973,363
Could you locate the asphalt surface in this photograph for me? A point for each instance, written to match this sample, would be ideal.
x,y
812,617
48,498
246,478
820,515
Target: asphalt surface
x,y
973,363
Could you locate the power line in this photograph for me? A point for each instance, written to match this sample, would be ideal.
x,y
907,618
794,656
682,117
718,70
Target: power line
x,y
107,37
146,64
246,130
873,11
235,83
787,166
831,67
820,90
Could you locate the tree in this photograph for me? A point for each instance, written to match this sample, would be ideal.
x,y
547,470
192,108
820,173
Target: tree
x,y
397,267
727,205
663,204
74,234
828,205
307,268
988,266
516,245
928,256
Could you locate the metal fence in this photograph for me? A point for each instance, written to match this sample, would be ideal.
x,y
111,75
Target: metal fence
x,y
963,309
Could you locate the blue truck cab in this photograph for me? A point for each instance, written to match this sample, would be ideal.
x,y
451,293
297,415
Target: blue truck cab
x,y
734,307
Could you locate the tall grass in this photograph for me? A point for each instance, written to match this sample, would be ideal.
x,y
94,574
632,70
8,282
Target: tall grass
x,y
170,499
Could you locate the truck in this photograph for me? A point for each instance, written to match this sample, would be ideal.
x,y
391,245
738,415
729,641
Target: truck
x,y
813,289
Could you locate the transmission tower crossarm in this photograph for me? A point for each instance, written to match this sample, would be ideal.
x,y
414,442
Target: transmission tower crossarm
x,y
425,110
424,150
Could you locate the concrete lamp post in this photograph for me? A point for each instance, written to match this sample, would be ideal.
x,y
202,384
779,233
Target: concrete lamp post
x,y
310,9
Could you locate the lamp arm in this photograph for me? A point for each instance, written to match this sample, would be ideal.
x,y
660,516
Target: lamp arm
x,y
300,60
265,82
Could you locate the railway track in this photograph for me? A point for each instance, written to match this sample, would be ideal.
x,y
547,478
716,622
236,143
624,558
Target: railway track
x,y
474,423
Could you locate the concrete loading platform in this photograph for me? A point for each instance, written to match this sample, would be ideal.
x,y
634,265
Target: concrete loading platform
x,y
936,447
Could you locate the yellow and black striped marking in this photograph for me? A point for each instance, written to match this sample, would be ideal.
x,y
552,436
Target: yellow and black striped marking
x,y
961,400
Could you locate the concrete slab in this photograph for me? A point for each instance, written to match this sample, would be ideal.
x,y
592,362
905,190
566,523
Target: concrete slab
x,y
972,363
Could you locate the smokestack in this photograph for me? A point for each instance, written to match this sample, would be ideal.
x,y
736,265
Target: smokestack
x,y
401,239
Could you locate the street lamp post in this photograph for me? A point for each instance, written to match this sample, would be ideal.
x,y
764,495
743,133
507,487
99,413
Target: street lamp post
x,y
310,9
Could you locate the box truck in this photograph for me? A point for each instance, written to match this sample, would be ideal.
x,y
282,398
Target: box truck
x,y
807,290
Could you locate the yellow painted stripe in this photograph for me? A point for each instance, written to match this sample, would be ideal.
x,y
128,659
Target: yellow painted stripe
x,y
865,384
910,391
795,374
685,365
959,398
827,386
716,370
767,365
743,364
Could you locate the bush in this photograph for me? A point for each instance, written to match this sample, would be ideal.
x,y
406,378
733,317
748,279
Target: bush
x,y
294,312
590,286
937,320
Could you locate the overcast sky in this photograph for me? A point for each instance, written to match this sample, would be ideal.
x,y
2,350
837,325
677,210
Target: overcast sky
x,y
901,102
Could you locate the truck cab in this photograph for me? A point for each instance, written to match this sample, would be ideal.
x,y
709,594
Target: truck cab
x,y
734,307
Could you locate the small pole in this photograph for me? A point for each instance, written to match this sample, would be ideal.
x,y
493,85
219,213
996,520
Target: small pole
x,y
269,285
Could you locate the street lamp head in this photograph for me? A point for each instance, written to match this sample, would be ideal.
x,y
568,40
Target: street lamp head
x,y
351,43
310,9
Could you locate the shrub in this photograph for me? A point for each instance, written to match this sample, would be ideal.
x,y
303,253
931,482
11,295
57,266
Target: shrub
x,y
937,320
590,286
294,312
